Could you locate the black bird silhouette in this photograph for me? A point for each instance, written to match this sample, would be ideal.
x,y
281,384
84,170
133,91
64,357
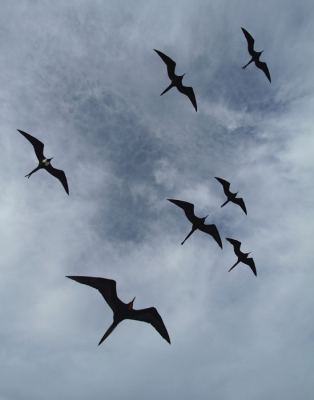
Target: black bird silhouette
x,y
198,223
231,196
121,311
45,162
176,80
242,257
255,55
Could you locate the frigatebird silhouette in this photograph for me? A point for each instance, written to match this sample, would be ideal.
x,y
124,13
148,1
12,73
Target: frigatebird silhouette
x,y
231,196
198,223
255,55
242,257
45,162
176,80
121,311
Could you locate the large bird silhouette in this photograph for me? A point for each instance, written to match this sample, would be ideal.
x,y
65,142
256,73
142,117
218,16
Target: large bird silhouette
x,y
231,196
198,223
45,162
255,55
242,257
121,311
176,80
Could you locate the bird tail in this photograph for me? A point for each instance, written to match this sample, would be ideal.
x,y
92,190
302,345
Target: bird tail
x,y
225,203
34,170
234,265
168,88
109,330
188,235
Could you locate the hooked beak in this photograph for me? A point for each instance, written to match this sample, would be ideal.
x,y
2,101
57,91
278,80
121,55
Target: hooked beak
x,y
131,304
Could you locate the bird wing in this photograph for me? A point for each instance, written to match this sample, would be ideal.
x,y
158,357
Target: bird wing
x,y
236,246
251,264
250,41
107,287
171,65
240,203
263,66
188,209
151,316
225,186
37,144
213,231
188,91
59,174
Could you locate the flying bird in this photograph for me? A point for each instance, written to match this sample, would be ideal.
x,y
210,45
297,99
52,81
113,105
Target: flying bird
x,y
176,80
45,162
198,223
242,257
121,311
231,196
255,55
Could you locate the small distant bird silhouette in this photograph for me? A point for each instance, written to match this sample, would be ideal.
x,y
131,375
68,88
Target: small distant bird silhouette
x,y
176,80
45,162
231,196
242,257
255,55
121,311
198,223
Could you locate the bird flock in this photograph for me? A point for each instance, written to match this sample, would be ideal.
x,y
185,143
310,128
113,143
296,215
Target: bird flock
x,y
107,287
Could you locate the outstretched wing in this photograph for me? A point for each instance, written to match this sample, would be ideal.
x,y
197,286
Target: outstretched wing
x,y
188,91
236,246
225,185
151,316
59,174
263,66
37,144
188,209
107,288
213,231
250,42
171,65
251,264
240,203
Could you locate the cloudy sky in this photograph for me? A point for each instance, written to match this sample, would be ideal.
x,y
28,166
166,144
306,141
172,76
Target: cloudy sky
x,y
82,77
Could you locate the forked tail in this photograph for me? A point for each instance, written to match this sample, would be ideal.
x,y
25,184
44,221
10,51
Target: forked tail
x,y
234,265
225,203
168,88
109,330
28,175
188,236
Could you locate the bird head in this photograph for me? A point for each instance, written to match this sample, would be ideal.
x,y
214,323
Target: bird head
x,y
131,304
236,194
49,159
248,254
260,53
204,218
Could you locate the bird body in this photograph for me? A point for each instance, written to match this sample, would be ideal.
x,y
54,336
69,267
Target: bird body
x,y
121,311
176,80
255,55
231,196
242,257
45,162
197,223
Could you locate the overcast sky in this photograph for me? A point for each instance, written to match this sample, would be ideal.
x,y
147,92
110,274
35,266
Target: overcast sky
x,y
82,77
